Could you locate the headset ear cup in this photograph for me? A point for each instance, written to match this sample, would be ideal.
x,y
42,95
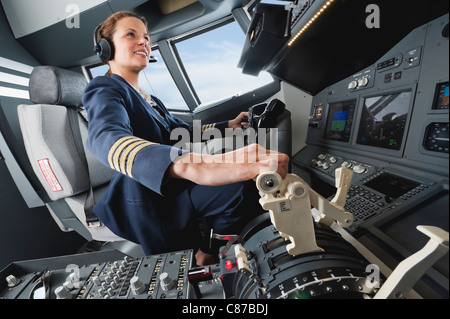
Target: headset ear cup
x,y
106,50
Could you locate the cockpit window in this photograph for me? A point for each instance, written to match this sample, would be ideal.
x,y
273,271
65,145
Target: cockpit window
x,y
211,60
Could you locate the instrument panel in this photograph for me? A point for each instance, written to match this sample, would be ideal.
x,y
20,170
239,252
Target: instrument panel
x,y
389,124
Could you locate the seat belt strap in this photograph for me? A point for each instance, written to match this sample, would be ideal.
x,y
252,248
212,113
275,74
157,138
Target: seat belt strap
x,y
91,220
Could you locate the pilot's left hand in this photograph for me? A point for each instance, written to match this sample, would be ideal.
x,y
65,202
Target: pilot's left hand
x,y
239,122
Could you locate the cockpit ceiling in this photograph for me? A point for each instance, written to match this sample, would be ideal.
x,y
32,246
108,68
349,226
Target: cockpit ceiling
x,y
169,6
48,29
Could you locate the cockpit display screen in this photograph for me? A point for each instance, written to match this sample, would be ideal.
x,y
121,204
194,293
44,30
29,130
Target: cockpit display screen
x,y
383,120
391,185
442,97
339,121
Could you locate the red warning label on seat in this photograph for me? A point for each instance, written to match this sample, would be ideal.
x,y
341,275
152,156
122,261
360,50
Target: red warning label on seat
x,y
49,176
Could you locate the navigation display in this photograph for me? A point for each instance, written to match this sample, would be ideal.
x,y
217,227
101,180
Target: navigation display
x,y
339,121
383,120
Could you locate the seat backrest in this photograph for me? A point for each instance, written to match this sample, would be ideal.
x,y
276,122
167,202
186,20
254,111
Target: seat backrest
x,y
50,146
48,137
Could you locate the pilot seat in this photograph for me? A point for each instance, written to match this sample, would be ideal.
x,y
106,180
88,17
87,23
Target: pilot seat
x,y
50,139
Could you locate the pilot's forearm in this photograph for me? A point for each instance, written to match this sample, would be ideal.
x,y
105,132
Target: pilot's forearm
x,y
220,169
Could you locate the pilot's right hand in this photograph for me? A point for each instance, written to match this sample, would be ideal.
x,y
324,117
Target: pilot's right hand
x,y
221,169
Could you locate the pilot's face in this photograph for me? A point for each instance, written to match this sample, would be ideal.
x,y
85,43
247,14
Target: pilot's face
x,y
132,45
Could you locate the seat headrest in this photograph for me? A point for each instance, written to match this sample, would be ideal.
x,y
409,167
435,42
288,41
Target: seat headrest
x,y
52,85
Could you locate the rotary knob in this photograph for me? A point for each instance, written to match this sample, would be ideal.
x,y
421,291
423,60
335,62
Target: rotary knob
x,y
359,169
166,282
346,164
62,293
363,82
137,286
12,281
352,85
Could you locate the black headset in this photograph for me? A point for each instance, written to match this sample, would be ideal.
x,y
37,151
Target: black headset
x,y
105,48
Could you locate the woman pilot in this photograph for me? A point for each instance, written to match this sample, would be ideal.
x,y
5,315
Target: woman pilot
x,y
155,198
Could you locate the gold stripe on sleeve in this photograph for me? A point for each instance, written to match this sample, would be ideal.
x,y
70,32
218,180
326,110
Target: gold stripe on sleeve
x,y
208,127
132,155
122,154
126,152
113,149
119,152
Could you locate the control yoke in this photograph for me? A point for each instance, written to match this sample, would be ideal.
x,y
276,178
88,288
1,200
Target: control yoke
x,y
268,117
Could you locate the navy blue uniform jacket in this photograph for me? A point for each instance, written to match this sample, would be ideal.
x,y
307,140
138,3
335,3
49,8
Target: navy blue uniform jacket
x,y
128,135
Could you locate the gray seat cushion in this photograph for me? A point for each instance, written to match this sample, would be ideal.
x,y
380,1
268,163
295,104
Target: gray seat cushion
x,y
53,156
